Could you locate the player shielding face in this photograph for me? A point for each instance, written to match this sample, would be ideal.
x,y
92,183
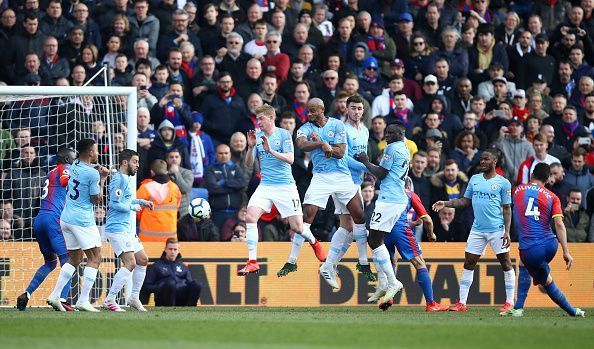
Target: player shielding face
x,y
47,227
391,203
534,208
85,188
125,243
273,147
490,196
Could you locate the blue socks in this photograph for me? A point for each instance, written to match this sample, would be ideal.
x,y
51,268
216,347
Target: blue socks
x,y
40,275
558,297
425,283
524,281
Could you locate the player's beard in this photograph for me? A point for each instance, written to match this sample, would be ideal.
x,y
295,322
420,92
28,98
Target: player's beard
x,y
131,170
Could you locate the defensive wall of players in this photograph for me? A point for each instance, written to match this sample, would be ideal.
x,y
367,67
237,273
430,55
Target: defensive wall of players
x,y
215,265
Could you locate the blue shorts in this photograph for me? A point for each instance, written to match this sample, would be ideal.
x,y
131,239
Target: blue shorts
x,y
536,259
49,235
404,241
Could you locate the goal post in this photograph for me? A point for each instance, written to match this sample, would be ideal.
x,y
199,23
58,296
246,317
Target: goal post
x,y
41,120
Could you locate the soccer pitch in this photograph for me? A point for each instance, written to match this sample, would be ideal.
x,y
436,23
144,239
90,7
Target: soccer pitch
x,y
263,327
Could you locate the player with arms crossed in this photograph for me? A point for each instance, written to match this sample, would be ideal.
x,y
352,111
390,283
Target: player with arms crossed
x,y
125,243
402,238
391,203
273,147
534,208
489,194
77,221
47,227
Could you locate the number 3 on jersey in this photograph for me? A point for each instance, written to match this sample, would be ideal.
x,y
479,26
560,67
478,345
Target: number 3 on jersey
x,y
532,210
75,189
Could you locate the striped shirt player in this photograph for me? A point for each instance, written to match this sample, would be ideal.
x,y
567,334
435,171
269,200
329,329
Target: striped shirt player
x,y
46,226
535,210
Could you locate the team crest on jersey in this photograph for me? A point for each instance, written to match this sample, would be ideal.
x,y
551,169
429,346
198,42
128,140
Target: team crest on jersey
x,y
342,133
118,192
277,142
494,186
330,134
178,269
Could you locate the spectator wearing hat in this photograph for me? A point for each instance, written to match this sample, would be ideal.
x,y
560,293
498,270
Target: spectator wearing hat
x,y
411,87
202,152
514,147
485,88
485,52
520,110
360,54
371,82
501,93
449,123
540,65
430,90
404,35
381,46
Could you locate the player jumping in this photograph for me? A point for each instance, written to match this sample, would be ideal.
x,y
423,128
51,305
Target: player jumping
x,y
273,147
125,243
77,221
403,239
490,196
534,207
390,205
47,227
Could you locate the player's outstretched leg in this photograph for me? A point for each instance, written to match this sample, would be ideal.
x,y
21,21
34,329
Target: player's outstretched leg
x,y
558,297
291,264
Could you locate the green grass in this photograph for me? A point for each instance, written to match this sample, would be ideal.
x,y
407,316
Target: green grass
x,y
246,327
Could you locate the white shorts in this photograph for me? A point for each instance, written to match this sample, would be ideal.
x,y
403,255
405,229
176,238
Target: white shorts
x,y
124,242
80,238
385,215
338,185
340,208
477,243
284,197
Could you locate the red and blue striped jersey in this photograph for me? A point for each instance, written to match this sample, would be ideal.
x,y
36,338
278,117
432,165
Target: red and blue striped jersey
x,y
414,206
53,194
534,209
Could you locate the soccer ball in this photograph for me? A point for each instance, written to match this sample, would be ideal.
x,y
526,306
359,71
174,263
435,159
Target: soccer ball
x,y
199,209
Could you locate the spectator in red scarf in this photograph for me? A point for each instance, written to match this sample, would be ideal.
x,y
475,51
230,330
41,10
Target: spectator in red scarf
x,y
381,46
189,60
300,98
52,65
173,108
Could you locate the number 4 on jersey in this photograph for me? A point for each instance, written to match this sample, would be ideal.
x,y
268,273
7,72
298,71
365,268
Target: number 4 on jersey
x,y
532,210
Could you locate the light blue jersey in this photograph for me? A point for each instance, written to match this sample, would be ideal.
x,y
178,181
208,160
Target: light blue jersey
x,y
396,160
333,132
488,195
356,143
273,170
83,183
120,204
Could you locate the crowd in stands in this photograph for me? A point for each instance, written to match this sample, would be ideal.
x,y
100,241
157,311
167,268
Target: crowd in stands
x,y
462,76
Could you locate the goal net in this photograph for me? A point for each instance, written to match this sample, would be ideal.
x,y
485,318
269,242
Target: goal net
x,y
37,121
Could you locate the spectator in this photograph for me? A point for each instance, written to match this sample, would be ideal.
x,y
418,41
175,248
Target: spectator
x,y
453,52
239,148
17,224
53,23
71,49
205,81
275,61
231,58
145,26
189,60
418,63
227,231
222,110
564,82
145,98
578,175
252,79
421,184
403,37
299,37
540,145
445,81
269,95
29,40
580,67
556,150
120,27
584,87
173,108
299,101
171,280
257,46
89,57
371,82
484,53
224,181
368,195
287,87
142,51
184,179
32,65
576,220
5,230
164,13
514,147
449,228
411,87
570,128
329,88
175,73
393,105
558,184
161,223
539,58
114,45
214,43
310,67
166,141
202,153
466,152
239,232
433,161
90,28
320,21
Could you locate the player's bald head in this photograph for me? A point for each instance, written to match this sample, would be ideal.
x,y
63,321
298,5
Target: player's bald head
x,y
315,103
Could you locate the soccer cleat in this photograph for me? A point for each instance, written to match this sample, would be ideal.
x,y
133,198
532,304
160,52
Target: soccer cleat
x,y
22,301
56,304
379,293
579,313
136,304
109,304
386,305
458,307
286,269
329,275
434,307
86,306
512,312
252,266
507,306
67,305
391,292
365,269
319,251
